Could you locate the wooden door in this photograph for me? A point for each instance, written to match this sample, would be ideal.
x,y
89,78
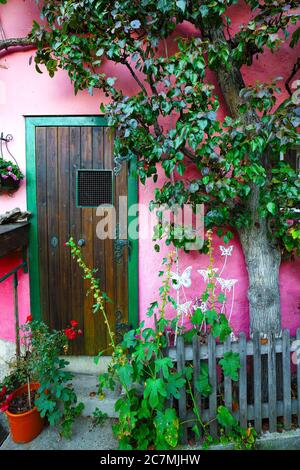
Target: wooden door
x,y
61,151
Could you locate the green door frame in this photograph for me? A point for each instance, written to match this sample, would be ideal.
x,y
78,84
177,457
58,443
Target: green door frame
x,y
43,121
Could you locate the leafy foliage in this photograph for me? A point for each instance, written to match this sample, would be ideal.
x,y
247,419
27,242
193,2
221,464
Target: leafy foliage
x,y
230,364
56,400
148,377
241,438
230,156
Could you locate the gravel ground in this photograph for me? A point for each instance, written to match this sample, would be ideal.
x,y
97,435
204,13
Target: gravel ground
x,y
85,437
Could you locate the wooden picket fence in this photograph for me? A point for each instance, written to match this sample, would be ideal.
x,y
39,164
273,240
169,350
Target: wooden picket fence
x,y
260,364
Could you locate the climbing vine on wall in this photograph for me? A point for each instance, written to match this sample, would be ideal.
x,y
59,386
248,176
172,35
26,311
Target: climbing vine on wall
x,y
146,374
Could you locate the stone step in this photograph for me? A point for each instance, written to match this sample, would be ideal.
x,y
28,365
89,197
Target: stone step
x,y
86,388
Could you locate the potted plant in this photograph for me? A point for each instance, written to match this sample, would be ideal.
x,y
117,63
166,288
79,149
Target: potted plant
x,y
37,387
10,175
17,400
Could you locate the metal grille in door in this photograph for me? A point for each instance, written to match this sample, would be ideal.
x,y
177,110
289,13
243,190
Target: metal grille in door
x,y
94,187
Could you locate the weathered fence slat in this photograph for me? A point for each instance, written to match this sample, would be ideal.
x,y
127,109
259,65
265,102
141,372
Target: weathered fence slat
x,y
286,365
220,350
197,370
227,380
243,380
274,405
272,384
257,381
212,375
182,402
298,375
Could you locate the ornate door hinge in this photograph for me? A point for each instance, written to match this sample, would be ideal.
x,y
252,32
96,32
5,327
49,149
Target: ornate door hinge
x,y
119,245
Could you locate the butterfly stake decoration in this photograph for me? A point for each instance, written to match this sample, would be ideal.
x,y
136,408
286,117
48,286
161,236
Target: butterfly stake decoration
x,y
179,282
226,284
183,309
183,280
226,251
205,273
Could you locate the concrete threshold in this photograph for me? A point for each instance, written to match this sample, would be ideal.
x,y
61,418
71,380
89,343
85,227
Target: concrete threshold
x,y
86,364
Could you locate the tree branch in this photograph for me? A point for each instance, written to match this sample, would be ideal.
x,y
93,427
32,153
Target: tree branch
x,y
189,154
134,76
295,69
5,44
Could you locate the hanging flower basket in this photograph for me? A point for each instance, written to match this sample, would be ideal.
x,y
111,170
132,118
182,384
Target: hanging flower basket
x,y
10,176
9,184
10,173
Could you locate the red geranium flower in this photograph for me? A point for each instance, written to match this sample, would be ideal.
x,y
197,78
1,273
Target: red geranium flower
x,y
74,323
29,318
9,398
80,332
4,407
70,333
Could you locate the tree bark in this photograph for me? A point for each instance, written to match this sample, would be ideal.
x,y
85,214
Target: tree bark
x,y
262,261
5,44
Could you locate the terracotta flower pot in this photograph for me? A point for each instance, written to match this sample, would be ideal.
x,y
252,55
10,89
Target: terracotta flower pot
x,y
24,427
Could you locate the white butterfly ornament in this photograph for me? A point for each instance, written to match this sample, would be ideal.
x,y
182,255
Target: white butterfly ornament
x,y
226,251
226,284
205,273
183,280
183,309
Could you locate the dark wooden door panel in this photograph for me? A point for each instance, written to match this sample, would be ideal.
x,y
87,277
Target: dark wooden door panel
x,y
60,152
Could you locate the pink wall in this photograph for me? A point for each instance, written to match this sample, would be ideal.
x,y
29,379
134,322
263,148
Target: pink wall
x,y
25,92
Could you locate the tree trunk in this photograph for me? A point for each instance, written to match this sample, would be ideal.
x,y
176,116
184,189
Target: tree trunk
x,y
261,256
262,261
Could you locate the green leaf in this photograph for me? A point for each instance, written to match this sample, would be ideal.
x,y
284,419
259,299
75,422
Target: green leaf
x,y
181,168
224,417
221,297
154,388
211,316
197,317
230,364
129,339
163,364
174,384
181,4
150,310
203,10
195,429
271,207
202,383
167,426
125,374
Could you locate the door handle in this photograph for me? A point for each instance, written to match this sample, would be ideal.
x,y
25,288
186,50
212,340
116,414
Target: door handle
x,y
54,242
